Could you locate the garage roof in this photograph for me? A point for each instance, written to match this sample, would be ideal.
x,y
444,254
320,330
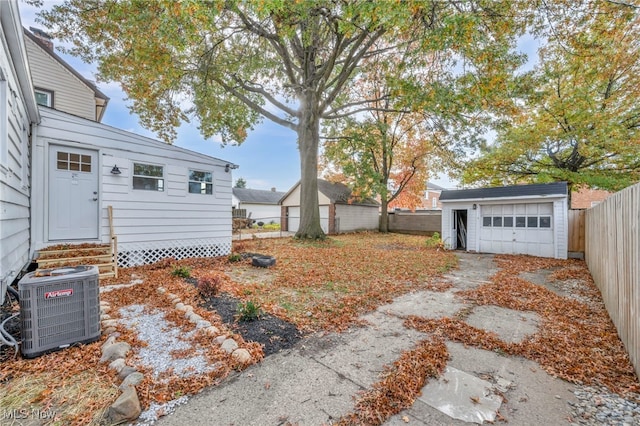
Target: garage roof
x,y
540,189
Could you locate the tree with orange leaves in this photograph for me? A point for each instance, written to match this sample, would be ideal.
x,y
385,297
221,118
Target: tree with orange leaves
x,y
389,151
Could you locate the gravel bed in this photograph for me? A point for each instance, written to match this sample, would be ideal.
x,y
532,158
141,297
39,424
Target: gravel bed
x,y
162,338
155,411
598,406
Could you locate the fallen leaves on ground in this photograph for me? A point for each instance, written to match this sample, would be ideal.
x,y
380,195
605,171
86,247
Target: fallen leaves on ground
x,y
401,384
327,285
72,403
316,286
576,341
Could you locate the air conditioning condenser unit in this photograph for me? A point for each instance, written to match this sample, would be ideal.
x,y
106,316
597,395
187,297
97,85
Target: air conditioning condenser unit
x,y
59,307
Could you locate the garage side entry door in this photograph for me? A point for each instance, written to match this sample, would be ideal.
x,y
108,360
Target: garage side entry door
x,y
517,229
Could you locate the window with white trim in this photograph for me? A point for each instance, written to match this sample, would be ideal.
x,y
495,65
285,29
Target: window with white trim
x,y
518,221
200,182
148,177
44,97
434,203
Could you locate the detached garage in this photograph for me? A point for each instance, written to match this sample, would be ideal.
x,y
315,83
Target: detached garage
x,y
340,211
521,219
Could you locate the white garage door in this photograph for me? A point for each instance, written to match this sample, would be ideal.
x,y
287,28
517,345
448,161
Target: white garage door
x,y
294,218
517,229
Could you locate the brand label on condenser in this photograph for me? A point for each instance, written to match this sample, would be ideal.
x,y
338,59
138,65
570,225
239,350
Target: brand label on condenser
x,y
58,293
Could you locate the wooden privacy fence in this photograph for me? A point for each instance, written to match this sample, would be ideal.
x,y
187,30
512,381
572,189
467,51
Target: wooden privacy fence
x,y
576,231
613,255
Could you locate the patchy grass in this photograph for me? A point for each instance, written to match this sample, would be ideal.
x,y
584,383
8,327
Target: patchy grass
x,y
322,285
59,388
326,285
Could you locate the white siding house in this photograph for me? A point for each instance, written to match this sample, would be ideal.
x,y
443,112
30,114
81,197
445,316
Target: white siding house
x,y
261,205
57,85
167,201
521,219
339,211
18,111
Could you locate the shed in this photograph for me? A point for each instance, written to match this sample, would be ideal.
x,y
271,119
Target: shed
x,y
261,205
520,219
167,201
340,211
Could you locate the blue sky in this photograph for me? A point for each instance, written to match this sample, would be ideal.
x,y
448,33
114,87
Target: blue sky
x,y
269,156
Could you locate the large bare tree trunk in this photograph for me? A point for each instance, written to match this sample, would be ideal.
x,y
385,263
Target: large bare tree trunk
x,y
308,143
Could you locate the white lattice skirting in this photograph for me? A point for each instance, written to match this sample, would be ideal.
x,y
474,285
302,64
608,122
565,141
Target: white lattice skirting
x,y
134,254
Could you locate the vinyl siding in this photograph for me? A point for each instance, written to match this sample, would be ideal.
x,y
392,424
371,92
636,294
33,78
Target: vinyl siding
x,y
70,94
159,218
356,218
263,212
14,173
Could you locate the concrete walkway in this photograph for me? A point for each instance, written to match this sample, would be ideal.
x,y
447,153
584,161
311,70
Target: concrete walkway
x,y
317,382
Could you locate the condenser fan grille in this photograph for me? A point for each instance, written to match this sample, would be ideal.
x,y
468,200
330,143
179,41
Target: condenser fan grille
x,y
58,310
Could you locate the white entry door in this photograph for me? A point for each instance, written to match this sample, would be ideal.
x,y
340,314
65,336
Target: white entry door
x,y
73,193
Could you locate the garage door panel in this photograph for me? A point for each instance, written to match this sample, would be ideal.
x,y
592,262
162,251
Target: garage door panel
x,y
520,233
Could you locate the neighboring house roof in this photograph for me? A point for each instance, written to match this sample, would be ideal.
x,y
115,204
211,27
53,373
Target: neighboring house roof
x,y
257,196
542,189
337,193
49,50
434,187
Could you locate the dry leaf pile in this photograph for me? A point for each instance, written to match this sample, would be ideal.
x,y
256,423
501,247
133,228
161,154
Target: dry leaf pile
x,y
401,384
59,373
576,340
327,285
313,285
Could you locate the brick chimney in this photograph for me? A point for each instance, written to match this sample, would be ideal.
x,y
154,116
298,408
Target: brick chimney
x,y
44,38
273,189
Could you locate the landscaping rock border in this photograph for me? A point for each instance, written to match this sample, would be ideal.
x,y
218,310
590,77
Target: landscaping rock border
x,y
221,339
126,407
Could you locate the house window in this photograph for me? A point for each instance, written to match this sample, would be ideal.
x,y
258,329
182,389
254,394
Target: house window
x,y
148,177
73,162
520,221
508,222
532,222
44,97
434,203
497,221
200,182
486,221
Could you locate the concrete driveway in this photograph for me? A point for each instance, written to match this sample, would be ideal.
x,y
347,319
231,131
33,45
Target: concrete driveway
x,y
316,382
